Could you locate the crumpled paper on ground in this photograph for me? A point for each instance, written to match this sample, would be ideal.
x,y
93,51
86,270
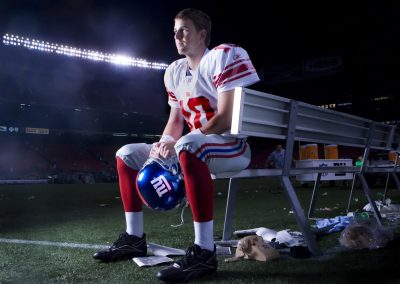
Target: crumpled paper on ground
x,y
360,234
385,206
391,208
289,239
330,225
253,248
151,260
267,234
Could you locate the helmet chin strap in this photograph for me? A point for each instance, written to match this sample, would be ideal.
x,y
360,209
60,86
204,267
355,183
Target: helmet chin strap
x,y
182,211
171,164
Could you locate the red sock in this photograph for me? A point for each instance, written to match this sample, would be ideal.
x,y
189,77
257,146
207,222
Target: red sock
x,y
199,187
127,187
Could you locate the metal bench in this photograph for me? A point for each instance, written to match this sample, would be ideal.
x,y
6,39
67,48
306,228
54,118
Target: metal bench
x,y
260,114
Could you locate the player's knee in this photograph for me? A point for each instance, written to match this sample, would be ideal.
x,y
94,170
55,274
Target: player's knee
x,y
189,143
129,149
122,152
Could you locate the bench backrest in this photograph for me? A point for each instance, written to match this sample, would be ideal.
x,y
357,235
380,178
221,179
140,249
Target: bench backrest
x,y
264,115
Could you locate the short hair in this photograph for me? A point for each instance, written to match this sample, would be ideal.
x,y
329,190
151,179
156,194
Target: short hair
x,y
200,20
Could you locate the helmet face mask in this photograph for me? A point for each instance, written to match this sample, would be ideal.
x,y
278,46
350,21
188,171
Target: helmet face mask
x,y
160,184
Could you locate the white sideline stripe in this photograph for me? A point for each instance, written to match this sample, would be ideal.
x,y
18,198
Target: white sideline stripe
x,y
54,244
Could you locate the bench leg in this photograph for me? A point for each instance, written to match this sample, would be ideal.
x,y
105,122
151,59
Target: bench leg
x,y
314,197
368,194
227,233
351,192
300,217
386,187
396,180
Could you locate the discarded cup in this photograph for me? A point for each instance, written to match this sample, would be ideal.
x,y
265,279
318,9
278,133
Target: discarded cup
x,y
362,216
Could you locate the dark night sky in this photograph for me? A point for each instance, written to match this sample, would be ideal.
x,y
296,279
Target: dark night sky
x,y
277,34
290,30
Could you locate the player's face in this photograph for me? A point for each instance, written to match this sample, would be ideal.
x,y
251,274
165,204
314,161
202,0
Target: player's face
x,y
188,40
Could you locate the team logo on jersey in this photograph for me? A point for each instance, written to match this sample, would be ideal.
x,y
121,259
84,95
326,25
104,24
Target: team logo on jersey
x,y
161,185
236,56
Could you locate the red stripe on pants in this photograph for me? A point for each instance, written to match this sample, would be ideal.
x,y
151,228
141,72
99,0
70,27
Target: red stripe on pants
x,y
199,187
127,187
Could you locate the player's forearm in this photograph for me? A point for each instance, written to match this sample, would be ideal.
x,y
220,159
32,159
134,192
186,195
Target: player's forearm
x,y
173,129
174,126
221,122
217,125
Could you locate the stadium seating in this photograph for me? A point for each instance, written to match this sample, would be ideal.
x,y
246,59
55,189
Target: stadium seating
x,y
16,158
45,158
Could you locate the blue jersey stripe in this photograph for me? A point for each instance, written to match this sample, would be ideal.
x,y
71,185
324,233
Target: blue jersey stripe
x,y
220,150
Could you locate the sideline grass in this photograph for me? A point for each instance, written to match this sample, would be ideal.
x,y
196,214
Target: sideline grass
x,y
93,214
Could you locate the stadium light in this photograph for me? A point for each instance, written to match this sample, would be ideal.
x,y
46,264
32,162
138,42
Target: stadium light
x,y
117,59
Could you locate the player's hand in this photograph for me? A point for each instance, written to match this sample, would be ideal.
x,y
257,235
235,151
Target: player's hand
x,y
163,150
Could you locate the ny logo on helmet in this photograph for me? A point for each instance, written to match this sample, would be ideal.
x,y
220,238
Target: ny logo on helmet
x,y
161,185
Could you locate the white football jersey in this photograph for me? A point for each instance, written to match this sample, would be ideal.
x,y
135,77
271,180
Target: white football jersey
x,y
195,92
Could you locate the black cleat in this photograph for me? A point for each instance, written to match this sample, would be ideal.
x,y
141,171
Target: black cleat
x,y
126,247
196,263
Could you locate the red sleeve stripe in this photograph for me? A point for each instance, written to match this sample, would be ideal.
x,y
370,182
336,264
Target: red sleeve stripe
x,y
228,74
224,48
236,62
241,76
172,96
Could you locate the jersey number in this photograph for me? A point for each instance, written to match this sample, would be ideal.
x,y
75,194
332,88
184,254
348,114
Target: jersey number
x,y
197,107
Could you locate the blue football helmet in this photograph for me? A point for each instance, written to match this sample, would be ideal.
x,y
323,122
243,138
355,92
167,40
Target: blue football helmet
x,y
160,184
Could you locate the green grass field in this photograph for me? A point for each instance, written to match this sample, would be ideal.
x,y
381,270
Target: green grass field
x,y
92,214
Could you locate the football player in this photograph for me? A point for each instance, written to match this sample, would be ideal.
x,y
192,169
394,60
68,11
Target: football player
x,y
200,89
